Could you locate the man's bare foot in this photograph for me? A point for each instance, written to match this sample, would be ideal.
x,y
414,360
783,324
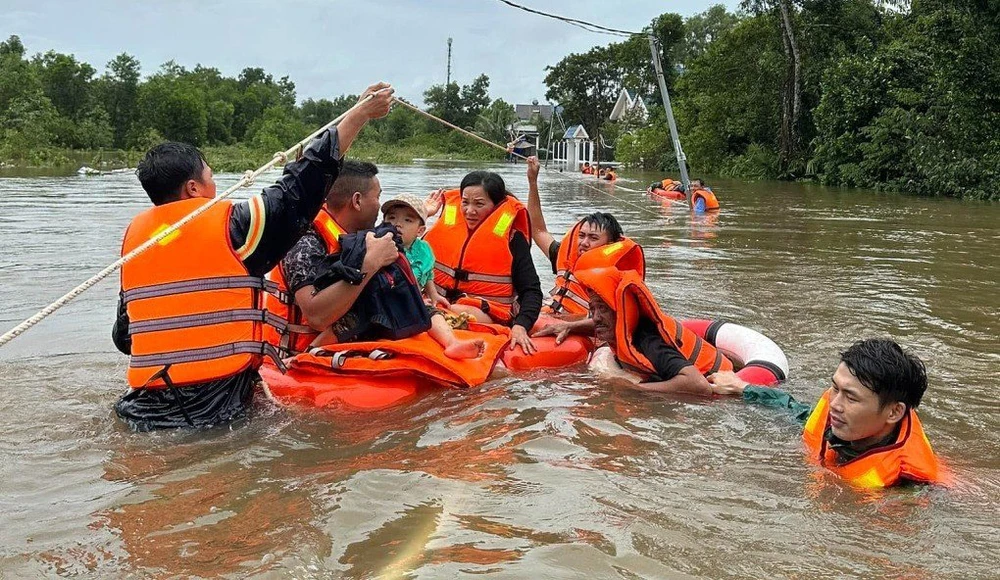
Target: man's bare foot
x,y
465,349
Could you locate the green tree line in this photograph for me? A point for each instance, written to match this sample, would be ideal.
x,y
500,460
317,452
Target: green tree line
x,y
888,95
51,103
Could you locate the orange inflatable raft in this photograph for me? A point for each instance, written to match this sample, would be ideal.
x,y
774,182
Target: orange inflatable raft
x,y
375,375
664,190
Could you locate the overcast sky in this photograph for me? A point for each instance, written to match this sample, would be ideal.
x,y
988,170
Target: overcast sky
x,y
330,47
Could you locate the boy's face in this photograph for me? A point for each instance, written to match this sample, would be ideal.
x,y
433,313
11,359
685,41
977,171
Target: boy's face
x,y
407,222
855,411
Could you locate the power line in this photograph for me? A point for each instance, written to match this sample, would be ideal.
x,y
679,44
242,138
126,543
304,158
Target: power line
x,y
588,26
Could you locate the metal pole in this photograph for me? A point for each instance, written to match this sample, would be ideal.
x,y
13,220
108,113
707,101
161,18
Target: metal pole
x,y
448,78
548,147
681,158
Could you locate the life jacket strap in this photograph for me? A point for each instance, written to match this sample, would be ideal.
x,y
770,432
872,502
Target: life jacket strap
x,y
164,375
461,275
506,300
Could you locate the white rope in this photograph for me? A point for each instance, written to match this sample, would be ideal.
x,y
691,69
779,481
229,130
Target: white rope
x,y
245,181
641,208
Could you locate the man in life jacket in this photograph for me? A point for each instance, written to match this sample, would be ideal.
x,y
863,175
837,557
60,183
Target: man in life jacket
x,y
595,241
190,312
351,205
865,427
667,356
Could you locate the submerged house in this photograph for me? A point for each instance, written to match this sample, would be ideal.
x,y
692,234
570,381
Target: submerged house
x,y
525,129
629,105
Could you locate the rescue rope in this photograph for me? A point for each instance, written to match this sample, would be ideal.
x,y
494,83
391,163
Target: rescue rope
x,y
504,149
245,181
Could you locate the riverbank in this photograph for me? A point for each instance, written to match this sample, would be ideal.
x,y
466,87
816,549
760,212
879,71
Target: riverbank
x,y
62,161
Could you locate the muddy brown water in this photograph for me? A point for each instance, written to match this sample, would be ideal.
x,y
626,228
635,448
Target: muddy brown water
x,y
544,475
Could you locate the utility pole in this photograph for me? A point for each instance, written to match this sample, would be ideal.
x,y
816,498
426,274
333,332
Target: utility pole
x,y
448,81
681,158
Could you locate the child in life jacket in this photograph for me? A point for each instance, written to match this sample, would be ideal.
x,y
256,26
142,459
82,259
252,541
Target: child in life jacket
x,y
409,215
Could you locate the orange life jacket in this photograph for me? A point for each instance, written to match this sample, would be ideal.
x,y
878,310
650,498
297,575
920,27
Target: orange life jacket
x,y
711,203
477,263
909,458
568,296
297,335
192,320
628,296
669,184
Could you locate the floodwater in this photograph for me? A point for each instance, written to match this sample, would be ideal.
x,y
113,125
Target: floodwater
x,y
547,475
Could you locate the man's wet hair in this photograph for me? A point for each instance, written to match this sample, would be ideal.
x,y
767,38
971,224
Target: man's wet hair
x,y
606,223
165,169
491,183
354,176
889,371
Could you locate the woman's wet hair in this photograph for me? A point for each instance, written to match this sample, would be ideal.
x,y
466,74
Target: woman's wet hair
x,y
606,223
889,371
491,183
165,169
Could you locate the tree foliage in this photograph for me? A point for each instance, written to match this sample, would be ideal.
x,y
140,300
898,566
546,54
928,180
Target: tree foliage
x,y
52,101
459,106
893,95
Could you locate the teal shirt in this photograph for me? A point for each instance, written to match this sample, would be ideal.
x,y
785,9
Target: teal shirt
x,y
421,258
768,397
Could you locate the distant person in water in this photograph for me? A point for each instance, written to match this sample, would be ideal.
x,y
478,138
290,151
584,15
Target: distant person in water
x,y
865,426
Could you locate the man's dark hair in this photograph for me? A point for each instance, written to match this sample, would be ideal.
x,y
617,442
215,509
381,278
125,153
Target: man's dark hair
x,y
491,183
699,181
606,223
889,371
165,169
354,176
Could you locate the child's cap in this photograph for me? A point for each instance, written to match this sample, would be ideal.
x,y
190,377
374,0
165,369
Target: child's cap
x,y
409,200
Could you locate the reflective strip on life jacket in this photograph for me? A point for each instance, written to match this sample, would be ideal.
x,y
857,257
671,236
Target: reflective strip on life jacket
x,y
207,354
186,286
207,319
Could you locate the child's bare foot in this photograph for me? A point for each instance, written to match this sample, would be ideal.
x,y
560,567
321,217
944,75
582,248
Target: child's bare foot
x,y
465,349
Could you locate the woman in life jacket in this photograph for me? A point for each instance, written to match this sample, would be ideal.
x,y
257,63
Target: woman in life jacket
x,y
864,427
483,263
